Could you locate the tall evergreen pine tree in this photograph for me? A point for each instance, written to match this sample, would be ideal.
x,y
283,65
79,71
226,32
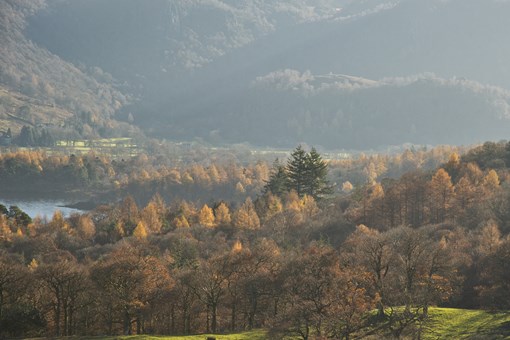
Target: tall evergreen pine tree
x,y
278,180
305,173
297,169
317,171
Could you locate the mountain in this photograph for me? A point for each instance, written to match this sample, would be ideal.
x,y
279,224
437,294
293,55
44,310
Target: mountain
x,y
39,88
201,68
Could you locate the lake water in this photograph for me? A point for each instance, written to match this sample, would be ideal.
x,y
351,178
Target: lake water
x,y
40,208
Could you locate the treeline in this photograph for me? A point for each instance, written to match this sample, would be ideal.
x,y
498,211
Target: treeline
x,y
198,174
39,173
466,190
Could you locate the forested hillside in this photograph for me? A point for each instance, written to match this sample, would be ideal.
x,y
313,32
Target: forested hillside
x,y
287,107
39,88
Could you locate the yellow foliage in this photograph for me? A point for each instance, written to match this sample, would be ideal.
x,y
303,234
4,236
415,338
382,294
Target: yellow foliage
x,y
308,206
33,265
58,222
140,231
180,222
119,229
206,216
86,227
240,188
246,217
151,217
19,232
237,247
222,214
347,187
491,181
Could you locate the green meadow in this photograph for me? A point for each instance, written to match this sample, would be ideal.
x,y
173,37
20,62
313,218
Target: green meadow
x,y
450,323
253,335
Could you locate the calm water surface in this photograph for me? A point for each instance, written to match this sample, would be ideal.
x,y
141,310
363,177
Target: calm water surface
x,y
40,208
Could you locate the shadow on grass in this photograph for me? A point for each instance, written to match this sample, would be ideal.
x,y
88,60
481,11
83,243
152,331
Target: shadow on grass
x,y
504,328
468,324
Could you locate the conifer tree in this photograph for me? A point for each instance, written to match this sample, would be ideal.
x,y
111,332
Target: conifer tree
x,y
222,214
307,174
278,180
206,216
297,171
140,231
316,173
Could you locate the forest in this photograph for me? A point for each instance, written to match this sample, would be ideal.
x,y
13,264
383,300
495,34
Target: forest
x,y
302,247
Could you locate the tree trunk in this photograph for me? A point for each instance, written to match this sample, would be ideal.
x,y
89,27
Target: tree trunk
x,y
275,307
1,303
65,307
253,310
214,308
233,316
380,310
188,323
138,324
57,316
127,322
172,319
110,320
208,320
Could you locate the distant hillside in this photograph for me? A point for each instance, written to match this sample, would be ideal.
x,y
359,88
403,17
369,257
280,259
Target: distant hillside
x,y
133,38
44,87
288,107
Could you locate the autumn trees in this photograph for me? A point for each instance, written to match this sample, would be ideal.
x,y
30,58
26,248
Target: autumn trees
x,y
327,301
280,261
64,282
408,270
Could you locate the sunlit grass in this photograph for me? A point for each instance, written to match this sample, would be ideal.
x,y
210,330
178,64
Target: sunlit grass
x,y
253,335
451,323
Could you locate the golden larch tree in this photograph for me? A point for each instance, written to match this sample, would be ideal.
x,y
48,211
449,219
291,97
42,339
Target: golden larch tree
x,y
222,214
206,216
140,231
151,217
86,227
440,194
180,222
246,217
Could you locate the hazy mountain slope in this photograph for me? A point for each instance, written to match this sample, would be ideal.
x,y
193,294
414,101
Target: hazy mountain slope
x,y
144,38
46,83
288,107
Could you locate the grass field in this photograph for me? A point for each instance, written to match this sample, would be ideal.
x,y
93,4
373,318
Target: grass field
x,y
450,323
253,335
